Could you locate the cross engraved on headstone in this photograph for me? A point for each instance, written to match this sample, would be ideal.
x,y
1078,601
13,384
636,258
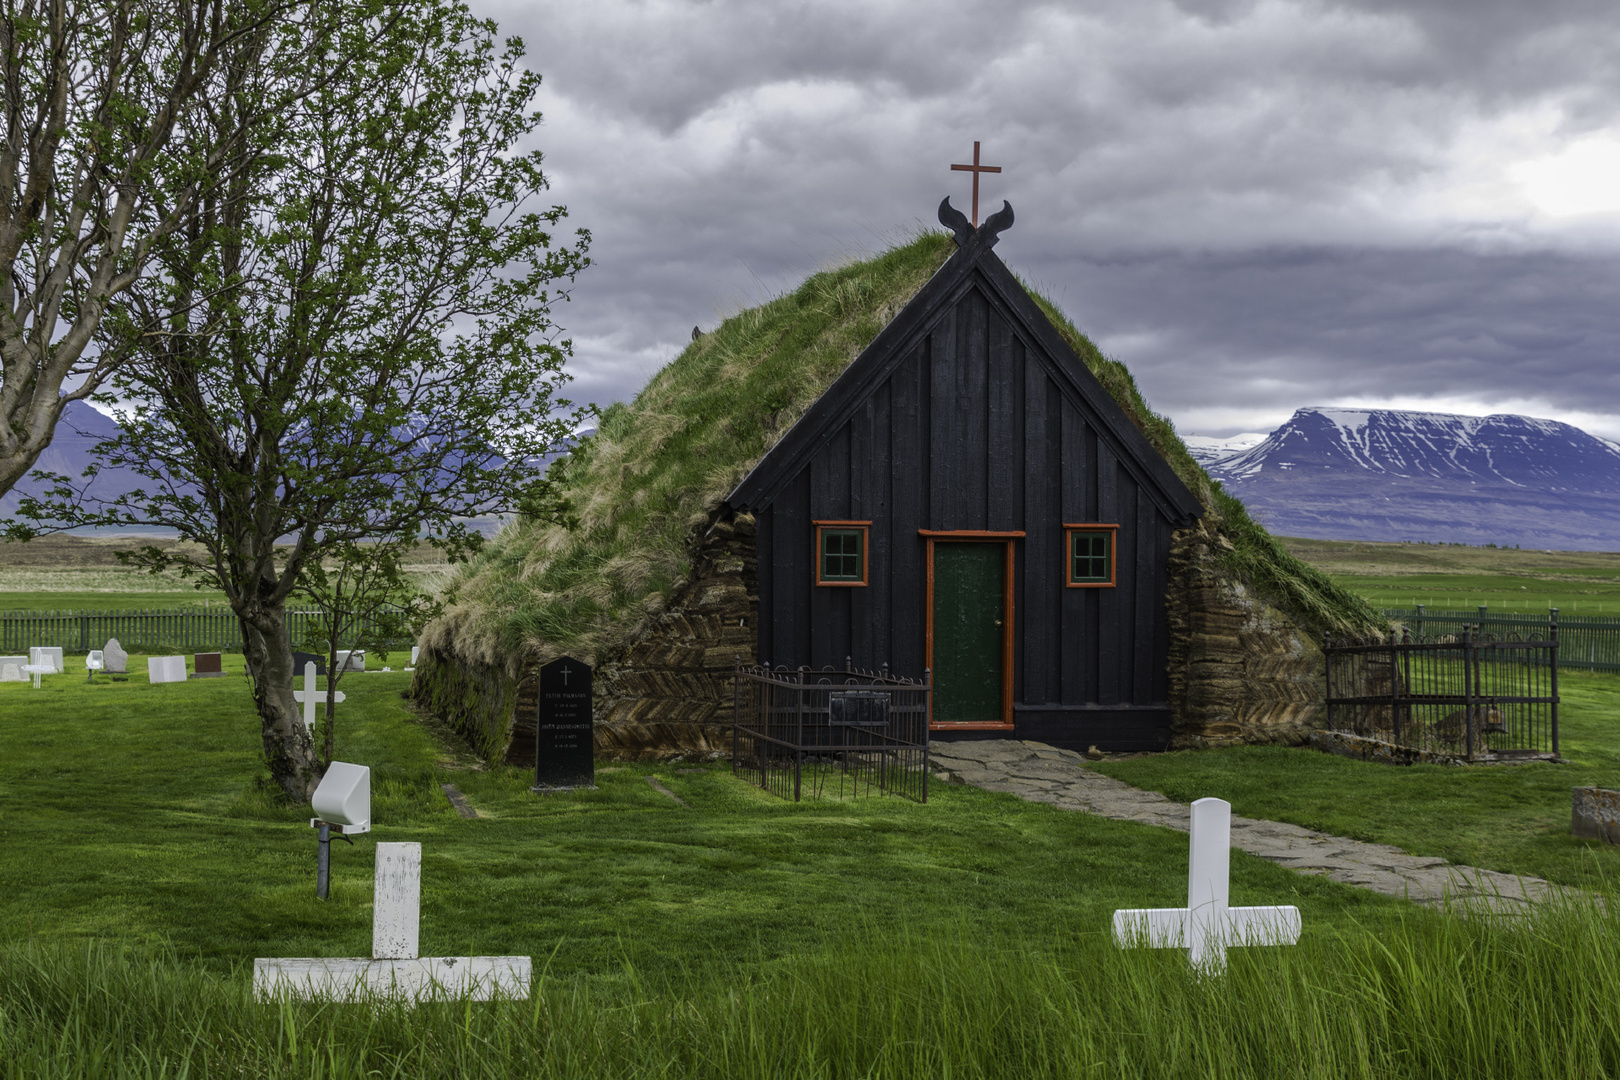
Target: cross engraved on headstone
x,y
1207,926
976,169
564,732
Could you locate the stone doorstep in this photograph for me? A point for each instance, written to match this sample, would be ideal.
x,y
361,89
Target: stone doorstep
x,y
479,978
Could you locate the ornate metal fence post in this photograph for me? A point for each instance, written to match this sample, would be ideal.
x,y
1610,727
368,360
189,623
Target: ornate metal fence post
x,y
1394,687
1552,658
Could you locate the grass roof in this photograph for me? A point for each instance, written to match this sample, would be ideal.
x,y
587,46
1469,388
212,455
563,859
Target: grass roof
x,y
659,466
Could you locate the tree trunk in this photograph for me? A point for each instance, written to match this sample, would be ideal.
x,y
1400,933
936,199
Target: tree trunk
x,y
288,750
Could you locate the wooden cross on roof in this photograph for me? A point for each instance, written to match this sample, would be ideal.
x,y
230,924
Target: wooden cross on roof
x,y
976,169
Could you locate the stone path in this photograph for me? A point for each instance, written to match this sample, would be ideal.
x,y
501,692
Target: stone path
x,y
1045,774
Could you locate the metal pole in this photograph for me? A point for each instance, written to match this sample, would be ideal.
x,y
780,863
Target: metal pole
x,y
323,861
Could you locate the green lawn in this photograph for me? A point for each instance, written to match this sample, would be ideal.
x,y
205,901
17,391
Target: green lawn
x,y
1513,818
1463,578
1506,593
741,937
112,600
130,813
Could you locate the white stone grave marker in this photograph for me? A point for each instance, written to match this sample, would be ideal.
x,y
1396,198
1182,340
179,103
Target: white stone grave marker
x,y
309,695
39,670
115,658
1207,925
351,659
161,669
11,668
395,969
51,656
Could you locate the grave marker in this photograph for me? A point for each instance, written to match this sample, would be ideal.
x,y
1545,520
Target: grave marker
x,y
11,668
309,695
395,969
207,665
114,659
564,732
302,658
51,656
1207,925
93,662
162,669
351,660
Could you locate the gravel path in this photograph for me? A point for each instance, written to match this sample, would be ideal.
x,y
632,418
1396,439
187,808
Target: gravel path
x,y
1045,774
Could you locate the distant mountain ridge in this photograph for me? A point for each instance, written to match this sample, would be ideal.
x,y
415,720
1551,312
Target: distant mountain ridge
x,y
82,426
1389,474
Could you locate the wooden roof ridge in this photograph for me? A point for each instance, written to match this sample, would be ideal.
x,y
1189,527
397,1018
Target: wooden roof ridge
x,y
972,262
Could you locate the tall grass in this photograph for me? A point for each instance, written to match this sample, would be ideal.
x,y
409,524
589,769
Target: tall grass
x,y
1422,994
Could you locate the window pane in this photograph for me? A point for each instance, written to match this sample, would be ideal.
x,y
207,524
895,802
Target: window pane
x,y
841,554
1089,551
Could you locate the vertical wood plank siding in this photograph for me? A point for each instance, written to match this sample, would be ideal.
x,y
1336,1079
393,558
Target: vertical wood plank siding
x,y
971,431
187,631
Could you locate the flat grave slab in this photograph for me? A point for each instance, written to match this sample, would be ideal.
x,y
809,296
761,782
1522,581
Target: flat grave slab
x,y
11,668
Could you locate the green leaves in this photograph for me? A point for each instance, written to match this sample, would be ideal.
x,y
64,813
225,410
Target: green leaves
x,y
349,345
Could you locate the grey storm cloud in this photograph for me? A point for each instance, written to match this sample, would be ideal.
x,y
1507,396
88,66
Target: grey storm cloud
x,y
1256,205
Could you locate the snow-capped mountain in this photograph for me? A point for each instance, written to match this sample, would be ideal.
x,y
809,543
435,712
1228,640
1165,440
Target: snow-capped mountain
x,y
1385,474
1206,449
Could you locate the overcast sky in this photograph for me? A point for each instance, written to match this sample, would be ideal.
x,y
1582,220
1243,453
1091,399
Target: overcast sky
x,y
1256,206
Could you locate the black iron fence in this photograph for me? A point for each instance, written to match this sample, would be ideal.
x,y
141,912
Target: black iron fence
x,y
831,733
137,631
1584,641
1468,695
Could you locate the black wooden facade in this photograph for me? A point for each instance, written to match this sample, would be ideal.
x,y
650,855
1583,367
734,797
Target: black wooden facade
x,y
954,457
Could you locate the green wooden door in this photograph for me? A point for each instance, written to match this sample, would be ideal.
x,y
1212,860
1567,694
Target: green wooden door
x,y
969,606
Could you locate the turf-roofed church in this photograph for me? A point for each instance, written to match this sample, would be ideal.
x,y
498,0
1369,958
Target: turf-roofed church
x,y
967,498
909,461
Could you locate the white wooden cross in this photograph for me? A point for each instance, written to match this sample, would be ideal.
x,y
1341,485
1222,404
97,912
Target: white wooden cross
x,y
1207,925
309,695
395,970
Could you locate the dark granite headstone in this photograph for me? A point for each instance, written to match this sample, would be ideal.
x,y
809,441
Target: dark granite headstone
x,y
565,743
207,665
302,658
